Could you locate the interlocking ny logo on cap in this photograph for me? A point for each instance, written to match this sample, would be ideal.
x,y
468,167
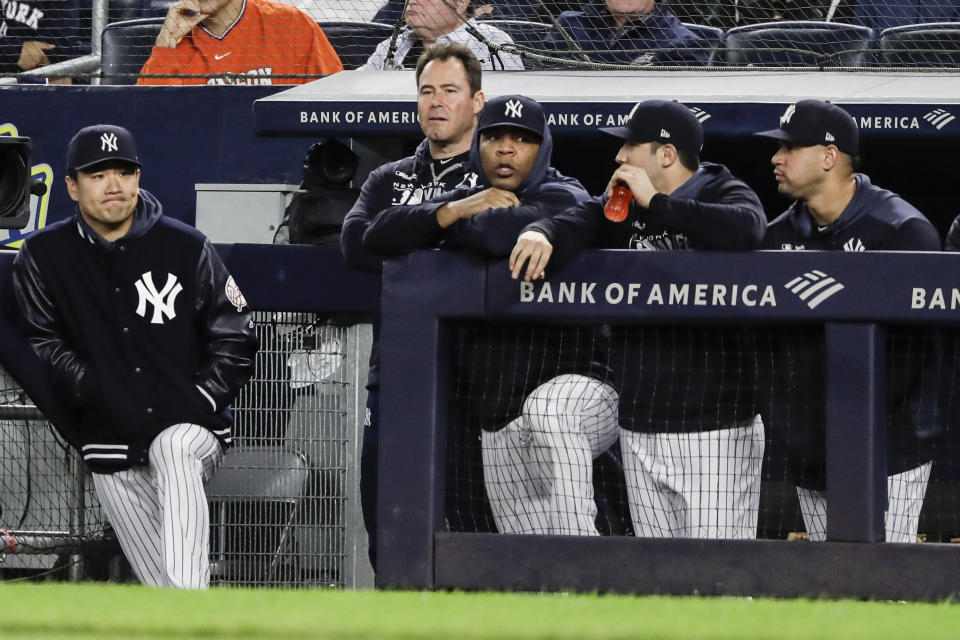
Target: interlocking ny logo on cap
x,y
108,142
788,114
513,109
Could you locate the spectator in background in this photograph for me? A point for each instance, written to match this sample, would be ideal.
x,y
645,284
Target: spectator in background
x,y
735,13
238,42
883,14
636,32
37,33
838,209
430,21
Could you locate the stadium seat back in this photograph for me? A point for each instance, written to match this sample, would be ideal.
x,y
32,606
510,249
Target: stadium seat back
x,y
526,34
125,47
355,41
935,44
713,36
799,43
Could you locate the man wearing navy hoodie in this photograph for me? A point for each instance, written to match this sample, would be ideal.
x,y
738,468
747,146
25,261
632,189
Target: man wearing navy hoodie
x,y
691,438
148,338
541,395
838,209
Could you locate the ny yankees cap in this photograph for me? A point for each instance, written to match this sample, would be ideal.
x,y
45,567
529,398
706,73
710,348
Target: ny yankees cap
x,y
99,143
663,121
811,122
513,111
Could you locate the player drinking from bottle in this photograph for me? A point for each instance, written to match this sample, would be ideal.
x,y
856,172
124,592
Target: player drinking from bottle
x,y
691,438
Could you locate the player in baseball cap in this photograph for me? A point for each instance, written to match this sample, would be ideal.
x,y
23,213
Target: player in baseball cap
x,y
816,122
663,121
510,133
836,208
676,202
100,143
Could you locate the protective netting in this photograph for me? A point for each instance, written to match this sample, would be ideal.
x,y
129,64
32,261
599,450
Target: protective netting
x,y
260,42
718,432
279,504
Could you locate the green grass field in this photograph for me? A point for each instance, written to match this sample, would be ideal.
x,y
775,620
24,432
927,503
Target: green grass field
x,y
56,610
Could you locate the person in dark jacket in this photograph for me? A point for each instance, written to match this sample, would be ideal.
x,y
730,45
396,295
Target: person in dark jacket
x,y
37,33
149,338
449,98
691,438
540,394
634,32
838,209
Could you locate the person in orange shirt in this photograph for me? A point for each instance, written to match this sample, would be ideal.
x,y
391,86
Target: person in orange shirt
x,y
238,42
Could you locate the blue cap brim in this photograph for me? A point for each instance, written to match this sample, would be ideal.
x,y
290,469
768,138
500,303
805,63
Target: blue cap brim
x,y
617,132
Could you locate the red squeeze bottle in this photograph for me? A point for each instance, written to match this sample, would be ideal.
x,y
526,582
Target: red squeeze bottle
x,y
618,206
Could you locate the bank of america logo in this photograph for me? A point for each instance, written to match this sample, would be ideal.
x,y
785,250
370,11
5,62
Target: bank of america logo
x,y
939,118
701,115
814,287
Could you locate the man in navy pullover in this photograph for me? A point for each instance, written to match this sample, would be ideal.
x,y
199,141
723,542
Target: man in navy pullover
x,y
838,209
691,440
449,98
636,32
148,338
540,394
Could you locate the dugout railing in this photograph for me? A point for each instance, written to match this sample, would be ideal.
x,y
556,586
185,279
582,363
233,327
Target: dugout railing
x,y
425,292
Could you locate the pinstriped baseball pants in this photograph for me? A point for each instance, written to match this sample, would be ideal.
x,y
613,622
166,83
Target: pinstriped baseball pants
x,y
160,512
703,484
905,492
538,469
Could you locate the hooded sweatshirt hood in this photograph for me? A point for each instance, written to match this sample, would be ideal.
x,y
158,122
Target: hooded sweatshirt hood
x,y
145,215
541,167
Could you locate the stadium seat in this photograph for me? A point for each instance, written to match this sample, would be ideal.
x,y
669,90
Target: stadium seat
x,y
799,43
355,41
935,44
125,47
713,36
526,34
255,503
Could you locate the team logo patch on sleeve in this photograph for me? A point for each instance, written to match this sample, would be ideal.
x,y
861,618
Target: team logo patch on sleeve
x,y
234,295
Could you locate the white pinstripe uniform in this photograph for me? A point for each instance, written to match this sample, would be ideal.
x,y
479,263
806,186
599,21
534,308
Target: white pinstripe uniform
x,y
538,469
704,484
905,493
160,512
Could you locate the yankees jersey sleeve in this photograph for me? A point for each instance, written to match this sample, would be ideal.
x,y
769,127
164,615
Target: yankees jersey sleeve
x,y
571,231
42,327
226,323
915,234
405,228
492,233
733,220
374,198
